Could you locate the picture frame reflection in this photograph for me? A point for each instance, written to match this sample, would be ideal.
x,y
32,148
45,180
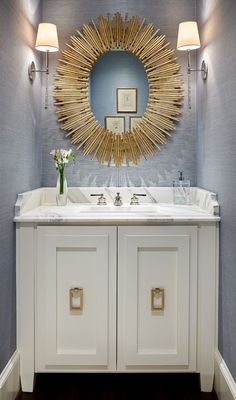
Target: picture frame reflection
x,y
115,124
126,100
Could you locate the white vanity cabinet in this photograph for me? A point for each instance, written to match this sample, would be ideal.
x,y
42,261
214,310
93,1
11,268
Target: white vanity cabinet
x,y
119,290
77,291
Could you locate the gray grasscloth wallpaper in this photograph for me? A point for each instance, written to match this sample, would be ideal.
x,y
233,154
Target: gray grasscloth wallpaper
x,y
20,145
216,166
180,151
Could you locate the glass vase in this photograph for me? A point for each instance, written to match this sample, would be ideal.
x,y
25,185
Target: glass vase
x,y
61,196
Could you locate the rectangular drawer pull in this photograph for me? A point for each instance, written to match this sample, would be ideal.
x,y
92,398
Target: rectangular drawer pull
x,y
157,299
76,299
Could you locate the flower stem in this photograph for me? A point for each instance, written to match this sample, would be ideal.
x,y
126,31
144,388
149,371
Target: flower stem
x,y
61,172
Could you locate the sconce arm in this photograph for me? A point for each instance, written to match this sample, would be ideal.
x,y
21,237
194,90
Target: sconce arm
x,y
40,70
203,70
32,69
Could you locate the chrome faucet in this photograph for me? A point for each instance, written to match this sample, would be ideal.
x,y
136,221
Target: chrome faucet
x,y
101,199
135,200
118,200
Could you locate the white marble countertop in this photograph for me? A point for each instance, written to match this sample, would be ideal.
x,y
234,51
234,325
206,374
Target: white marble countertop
x,y
39,207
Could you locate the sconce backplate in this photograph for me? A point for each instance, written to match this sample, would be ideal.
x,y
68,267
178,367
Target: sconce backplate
x,y
31,71
204,70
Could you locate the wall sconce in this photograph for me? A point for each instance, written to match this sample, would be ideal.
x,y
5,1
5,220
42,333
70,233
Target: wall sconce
x,y
46,41
188,40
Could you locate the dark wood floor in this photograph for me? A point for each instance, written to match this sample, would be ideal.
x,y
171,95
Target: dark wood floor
x,y
117,387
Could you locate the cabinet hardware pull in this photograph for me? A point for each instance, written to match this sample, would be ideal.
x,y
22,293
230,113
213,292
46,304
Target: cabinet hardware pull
x,y
157,299
76,299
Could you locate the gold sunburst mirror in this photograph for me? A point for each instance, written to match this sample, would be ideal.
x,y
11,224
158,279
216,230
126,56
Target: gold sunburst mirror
x,y
71,90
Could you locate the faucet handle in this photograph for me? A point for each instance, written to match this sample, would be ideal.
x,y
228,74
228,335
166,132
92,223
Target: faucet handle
x,y
135,200
101,199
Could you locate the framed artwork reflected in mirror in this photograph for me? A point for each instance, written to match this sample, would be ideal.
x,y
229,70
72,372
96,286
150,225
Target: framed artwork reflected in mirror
x,y
126,100
115,124
134,121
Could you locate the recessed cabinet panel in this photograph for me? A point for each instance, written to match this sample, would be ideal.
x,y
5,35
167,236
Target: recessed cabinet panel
x,y
73,302
157,297
76,269
157,268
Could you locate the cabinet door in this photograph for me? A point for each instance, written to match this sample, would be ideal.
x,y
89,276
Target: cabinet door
x,y
157,290
76,298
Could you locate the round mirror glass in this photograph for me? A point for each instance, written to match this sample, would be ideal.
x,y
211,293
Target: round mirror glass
x,y
118,90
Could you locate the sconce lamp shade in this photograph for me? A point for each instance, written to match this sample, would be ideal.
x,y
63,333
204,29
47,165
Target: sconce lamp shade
x,y
47,39
188,36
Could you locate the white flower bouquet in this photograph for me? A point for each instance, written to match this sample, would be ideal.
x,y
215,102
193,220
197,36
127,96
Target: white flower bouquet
x,y
61,158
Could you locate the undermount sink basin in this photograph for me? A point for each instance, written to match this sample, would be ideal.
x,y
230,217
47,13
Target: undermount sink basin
x,y
117,209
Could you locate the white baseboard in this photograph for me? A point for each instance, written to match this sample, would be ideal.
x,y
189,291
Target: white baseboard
x,y
224,384
10,378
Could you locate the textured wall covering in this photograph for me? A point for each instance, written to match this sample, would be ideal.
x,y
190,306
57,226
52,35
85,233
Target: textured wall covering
x,y
179,153
20,170
217,151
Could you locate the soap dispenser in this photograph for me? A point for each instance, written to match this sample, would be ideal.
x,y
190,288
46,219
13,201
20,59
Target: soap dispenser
x,y
181,190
